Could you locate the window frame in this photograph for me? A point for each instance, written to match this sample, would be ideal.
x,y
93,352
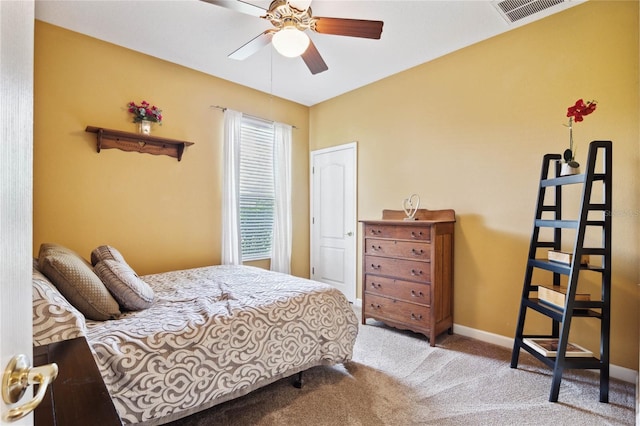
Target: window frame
x,y
255,185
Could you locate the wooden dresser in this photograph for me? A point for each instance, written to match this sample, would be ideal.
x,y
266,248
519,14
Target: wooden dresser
x,y
407,270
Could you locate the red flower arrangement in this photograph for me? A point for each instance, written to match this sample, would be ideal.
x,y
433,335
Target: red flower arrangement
x,y
145,111
576,113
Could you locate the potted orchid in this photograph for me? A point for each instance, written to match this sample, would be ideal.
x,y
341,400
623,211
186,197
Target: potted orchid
x,y
575,113
145,114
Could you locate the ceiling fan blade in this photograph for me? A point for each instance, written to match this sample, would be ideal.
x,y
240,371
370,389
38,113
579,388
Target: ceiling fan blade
x,y
239,6
349,27
314,61
253,46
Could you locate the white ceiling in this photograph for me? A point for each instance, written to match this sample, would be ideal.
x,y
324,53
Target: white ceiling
x,y
199,35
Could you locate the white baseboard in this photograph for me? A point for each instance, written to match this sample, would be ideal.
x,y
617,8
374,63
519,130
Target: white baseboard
x,y
616,372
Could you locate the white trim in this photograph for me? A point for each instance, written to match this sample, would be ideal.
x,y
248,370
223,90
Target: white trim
x,y
483,336
616,372
347,145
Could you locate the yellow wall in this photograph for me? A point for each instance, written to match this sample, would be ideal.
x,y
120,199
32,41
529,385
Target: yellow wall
x,y
160,213
468,132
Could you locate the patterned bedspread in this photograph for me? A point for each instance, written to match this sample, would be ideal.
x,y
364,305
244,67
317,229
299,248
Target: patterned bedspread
x,y
216,333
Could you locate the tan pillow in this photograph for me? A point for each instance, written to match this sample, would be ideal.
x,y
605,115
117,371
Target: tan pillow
x,y
104,253
74,278
128,289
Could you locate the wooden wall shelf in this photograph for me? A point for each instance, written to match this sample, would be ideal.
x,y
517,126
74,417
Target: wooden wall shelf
x,y
126,141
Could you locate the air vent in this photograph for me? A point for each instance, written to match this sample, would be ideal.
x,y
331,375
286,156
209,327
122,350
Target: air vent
x,y
515,10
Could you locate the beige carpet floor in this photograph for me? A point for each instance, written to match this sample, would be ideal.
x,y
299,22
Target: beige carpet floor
x,y
396,378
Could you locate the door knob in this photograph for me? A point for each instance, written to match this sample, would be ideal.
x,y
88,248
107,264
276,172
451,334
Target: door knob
x,y
348,234
17,377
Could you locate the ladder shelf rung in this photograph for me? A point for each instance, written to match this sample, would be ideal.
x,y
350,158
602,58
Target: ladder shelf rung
x,y
545,244
561,268
548,265
590,362
563,180
547,223
597,206
548,310
585,309
587,363
595,251
572,224
568,180
594,223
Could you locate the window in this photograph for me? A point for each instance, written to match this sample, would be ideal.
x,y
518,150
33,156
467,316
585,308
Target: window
x,y
256,182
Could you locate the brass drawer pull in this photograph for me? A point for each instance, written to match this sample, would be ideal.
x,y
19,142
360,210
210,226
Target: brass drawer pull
x,y
377,267
376,285
417,252
375,231
415,273
374,248
377,306
418,294
416,317
414,235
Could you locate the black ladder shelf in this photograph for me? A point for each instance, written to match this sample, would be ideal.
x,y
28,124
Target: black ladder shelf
x,y
591,215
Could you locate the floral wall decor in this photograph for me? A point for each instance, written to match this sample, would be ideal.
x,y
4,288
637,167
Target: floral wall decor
x,y
576,113
145,112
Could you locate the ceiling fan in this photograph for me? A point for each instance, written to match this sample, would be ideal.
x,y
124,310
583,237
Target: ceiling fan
x,y
290,19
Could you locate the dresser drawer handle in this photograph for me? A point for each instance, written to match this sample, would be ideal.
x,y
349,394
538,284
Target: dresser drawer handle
x,y
374,248
418,294
417,252
377,306
377,267
415,273
414,235
376,285
375,231
416,317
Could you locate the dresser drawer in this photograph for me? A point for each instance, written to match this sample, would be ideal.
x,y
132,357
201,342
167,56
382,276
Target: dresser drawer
x,y
392,248
412,270
420,233
396,310
403,290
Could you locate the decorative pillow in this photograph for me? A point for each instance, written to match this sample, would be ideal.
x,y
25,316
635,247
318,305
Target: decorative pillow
x,y
104,253
36,273
127,288
74,278
54,318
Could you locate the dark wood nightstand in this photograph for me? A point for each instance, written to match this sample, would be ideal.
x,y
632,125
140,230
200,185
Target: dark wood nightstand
x,y
78,396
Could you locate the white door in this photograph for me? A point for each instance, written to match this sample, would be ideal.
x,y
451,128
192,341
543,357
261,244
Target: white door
x,y
333,217
16,182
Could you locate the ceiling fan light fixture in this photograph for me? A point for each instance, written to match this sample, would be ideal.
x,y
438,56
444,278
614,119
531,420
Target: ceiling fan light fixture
x,y
290,42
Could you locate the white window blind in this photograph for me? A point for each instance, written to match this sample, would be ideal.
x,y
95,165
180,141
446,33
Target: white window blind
x,y
257,197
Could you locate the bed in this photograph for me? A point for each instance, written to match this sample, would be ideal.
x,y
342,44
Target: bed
x,y
208,334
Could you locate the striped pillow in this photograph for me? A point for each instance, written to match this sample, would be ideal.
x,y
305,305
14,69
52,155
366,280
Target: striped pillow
x,y
106,252
127,288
